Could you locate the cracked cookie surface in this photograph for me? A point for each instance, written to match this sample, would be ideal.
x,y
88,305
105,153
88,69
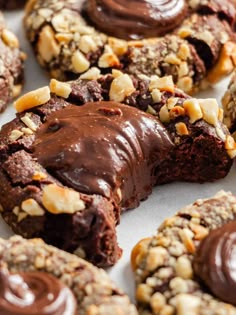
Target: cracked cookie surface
x,y
176,268
113,156
198,52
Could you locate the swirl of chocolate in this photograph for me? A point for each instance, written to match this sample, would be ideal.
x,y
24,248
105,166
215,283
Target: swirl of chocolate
x,y
135,19
215,262
101,147
35,293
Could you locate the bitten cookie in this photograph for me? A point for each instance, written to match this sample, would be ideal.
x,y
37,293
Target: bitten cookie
x,y
197,46
188,266
12,4
39,279
11,66
75,157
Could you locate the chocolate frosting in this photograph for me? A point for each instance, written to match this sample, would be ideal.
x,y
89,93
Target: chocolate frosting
x,y
35,293
215,262
135,19
103,148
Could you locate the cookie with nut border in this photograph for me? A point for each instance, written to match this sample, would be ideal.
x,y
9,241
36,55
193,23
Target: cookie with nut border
x,y
12,64
74,157
187,267
193,41
39,279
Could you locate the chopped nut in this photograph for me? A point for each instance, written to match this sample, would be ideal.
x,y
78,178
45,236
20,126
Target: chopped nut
x,y
230,143
183,69
10,39
181,129
151,110
157,302
225,64
33,99
184,32
183,52
121,87
87,44
232,153
172,59
62,89
171,102
163,84
156,257
220,132
209,109
156,95
58,199
47,44
64,38
138,252
16,210
92,74
15,135
183,268
199,231
32,208
39,176
185,236
116,73
39,262
143,293
176,112
185,84
27,131
29,122
164,114
178,285
193,110
108,59
187,304
118,46
79,62
21,216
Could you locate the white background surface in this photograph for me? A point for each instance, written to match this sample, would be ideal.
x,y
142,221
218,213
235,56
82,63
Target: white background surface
x,y
164,201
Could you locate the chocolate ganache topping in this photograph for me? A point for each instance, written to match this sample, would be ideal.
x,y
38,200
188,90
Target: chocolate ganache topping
x,y
35,293
215,262
103,148
135,19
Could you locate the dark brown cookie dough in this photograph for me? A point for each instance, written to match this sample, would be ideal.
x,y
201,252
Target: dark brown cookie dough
x,y
188,266
199,51
42,265
72,169
11,4
11,66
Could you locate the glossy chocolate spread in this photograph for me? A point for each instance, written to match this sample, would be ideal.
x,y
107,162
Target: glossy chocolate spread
x,y
135,19
103,148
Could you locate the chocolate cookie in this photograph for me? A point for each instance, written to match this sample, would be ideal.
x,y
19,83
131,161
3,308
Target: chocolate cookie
x,y
197,46
11,66
68,170
39,279
188,266
12,4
